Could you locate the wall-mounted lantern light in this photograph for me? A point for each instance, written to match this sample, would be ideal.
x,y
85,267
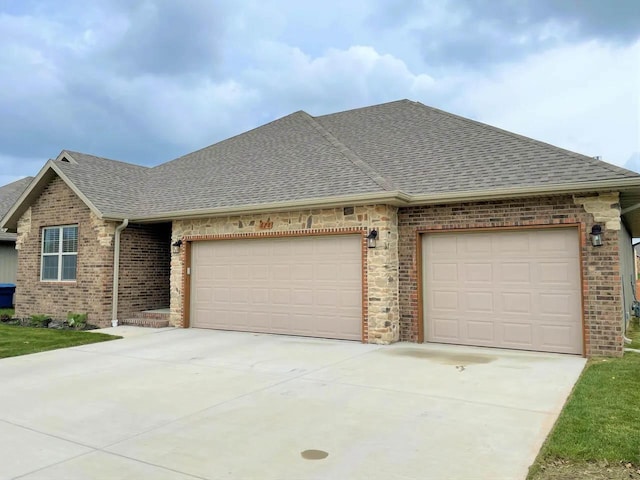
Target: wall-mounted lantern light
x,y
596,236
175,246
371,238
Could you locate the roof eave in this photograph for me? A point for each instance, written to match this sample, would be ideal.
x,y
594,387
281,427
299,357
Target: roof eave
x,y
33,191
388,198
396,198
526,191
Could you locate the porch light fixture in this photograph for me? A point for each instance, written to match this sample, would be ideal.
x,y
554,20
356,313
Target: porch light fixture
x,y
175,246
371,238
596,236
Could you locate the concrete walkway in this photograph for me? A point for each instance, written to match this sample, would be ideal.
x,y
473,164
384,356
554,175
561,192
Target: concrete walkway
x,y
184,404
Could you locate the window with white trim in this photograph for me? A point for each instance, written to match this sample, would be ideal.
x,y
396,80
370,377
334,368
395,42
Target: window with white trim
x,y
59,254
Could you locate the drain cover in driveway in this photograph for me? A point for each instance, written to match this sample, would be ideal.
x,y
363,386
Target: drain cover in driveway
x,y
314,454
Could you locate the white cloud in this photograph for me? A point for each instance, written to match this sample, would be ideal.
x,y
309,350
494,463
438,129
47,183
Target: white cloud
x,y
105,77
582,97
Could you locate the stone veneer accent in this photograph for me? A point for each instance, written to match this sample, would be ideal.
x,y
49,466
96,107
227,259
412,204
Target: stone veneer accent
x,y
381,309
605,208
602,294
91,293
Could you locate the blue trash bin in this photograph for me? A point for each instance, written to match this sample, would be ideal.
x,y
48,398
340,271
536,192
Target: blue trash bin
x,y
6,294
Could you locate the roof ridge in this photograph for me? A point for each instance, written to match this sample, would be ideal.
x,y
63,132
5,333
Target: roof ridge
x,y
224,140
372,173
366,107
128,164
580,156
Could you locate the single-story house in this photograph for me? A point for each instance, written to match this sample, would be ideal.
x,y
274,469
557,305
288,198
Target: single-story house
x,y
8,255
391,222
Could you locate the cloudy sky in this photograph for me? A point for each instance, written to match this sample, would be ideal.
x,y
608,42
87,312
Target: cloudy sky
x,y
149,80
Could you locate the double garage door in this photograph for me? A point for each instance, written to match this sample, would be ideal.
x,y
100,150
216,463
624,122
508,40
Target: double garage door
x,y
310,286
516,289
511,289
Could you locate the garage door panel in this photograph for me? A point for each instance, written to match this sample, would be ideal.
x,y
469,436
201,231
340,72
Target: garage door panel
x,y
558,274
479,302
239,296
520,334
302,297
515,272
445,272
477,272
555,244
297,285
513,289
446,328
442,245
558,304
480,331
480,244
302,272
443,300
349,273
516,302
557,336
280,273
513,244
259,272
326,297
348,297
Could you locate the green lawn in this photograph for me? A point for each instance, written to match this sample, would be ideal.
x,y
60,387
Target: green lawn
x,y
16,341
598,433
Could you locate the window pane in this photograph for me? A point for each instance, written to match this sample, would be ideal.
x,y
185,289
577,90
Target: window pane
x,y
50,268
51,242
70,239
69,267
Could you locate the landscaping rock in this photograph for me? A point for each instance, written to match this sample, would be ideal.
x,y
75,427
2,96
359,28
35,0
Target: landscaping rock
x,y
58,324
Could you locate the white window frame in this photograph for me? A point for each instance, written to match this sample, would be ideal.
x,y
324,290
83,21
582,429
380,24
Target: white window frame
x,y
58,254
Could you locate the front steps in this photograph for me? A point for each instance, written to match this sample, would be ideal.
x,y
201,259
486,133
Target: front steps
x,y
149,318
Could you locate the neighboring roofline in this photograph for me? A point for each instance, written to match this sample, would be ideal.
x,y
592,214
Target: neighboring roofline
x,y
396,198
10,220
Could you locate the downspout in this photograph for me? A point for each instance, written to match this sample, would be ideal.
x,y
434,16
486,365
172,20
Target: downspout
x,y
116,271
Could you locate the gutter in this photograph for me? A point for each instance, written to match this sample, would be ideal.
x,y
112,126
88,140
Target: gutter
x,y
396,198
116,271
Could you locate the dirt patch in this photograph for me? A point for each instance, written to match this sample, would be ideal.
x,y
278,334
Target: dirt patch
x,y
564,470
445,358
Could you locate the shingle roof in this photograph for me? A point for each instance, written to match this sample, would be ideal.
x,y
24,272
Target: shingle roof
x,y
285,160
110,185
425,150
8,195
400,148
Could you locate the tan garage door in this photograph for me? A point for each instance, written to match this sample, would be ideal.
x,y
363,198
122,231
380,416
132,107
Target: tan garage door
x,y
309,286
511,289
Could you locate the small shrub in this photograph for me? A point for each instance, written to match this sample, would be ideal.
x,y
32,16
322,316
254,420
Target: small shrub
x,y
77,320
40,321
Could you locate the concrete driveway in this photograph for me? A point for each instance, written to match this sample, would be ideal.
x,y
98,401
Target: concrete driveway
x,y
183,404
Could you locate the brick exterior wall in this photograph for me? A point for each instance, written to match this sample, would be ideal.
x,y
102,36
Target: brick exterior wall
x,y
600,265
151,277
91,292
380,276
145,257
144,262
